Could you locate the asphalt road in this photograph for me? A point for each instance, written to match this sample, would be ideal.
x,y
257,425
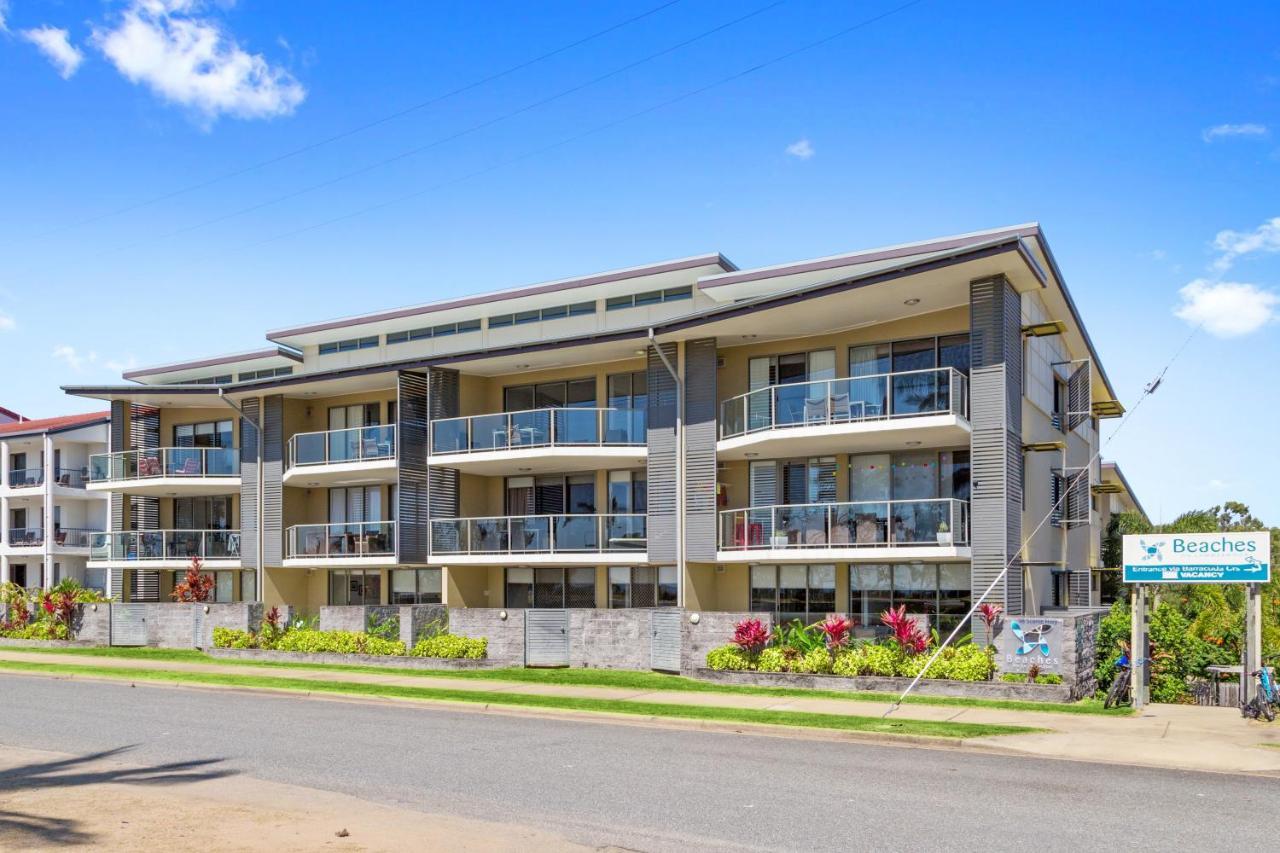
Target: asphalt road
x,y
649,788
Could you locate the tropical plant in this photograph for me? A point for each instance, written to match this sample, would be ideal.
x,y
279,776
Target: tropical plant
x,y
383,627
750,636
797,640
906,632
194,588
731,657
989,614
836,632
446,645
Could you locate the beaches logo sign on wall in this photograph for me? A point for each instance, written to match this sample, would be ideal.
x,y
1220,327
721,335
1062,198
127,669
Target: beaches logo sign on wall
x,y
1030,640
1197,558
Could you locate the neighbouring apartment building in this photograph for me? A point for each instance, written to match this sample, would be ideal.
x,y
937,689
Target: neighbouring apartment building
x,y
843,434
48,518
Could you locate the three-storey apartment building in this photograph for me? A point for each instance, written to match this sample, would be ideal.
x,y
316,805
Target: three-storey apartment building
x,y
842,434
48,516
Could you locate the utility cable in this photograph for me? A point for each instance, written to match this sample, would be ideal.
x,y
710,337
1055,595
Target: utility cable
x,y
1146,392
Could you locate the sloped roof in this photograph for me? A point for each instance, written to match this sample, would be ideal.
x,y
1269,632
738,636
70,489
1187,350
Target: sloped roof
x,y
57,424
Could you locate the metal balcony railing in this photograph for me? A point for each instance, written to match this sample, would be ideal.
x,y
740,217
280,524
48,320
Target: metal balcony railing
x,y
540,534
146,545
563,427
26,537
861,524
346,539
26,478
74,537
70,478
357,444
880,396
164,462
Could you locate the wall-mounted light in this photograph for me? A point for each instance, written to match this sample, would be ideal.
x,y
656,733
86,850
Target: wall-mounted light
x,y
913,444
912,301
695,618
502,614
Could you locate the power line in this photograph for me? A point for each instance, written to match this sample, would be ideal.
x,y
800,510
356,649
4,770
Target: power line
x,y
377,122
1147,391
475,128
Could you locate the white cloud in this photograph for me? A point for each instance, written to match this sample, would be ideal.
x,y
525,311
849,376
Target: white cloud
x,y
7,323
1155,255
1225,131
118,366
4,12
73,359
801,149
189,59
1219,485
1236,244
56,45
1227,309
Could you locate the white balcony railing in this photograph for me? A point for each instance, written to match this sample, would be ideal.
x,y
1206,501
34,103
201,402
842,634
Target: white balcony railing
x,y
563,427
880,396
539,534
341,540
330,447
162,462
157,545
861,524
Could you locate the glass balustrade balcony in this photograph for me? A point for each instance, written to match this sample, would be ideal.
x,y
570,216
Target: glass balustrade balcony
x,y
341,541
175,546
26,478
337,446
540,534
165,463
878,397
862,524
535,428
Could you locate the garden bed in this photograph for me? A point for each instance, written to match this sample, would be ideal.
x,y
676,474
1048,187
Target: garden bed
x,y
887,684
14,641
385,661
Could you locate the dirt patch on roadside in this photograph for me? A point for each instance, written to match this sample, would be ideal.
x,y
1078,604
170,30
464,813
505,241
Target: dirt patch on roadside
x,y
49,801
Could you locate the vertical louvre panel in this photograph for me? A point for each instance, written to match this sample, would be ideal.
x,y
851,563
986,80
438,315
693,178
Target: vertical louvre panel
x,y
273,480
1078,396
700,449
413,528
1080,594
144,434
995,406
546,637
249,485
442,483
115,584
665,653
662,456
144,586
119,441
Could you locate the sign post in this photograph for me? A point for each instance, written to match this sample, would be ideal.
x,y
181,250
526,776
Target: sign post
x,y
1177,558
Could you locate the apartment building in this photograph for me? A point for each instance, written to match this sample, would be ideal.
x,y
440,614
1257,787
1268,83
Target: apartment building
x,y
842,434
48,516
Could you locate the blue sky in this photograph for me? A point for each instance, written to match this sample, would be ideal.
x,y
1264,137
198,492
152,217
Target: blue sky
x,y
1136,139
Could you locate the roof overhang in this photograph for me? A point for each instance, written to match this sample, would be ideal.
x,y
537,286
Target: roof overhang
x,y
263,359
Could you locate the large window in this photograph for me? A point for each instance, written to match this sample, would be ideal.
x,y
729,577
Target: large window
x,y
628,398
917,482
804,593
554,588
920,388
355,586
940,592
416,586
572,393
642,586
206,434
209,513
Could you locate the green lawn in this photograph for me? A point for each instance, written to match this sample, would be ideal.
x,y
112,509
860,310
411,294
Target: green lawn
x,y
588,678
836,722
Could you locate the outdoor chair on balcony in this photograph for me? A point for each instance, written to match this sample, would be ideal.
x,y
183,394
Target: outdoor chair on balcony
x,y
370,448
815,411
840,407
60,537
189,468
869,530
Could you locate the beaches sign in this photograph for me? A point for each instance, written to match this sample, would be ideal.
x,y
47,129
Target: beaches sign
x,y
1197,558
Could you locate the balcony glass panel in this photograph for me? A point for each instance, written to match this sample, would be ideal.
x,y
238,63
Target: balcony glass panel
x,y
572,427
577,532
539,534
351,539
26,478
846,525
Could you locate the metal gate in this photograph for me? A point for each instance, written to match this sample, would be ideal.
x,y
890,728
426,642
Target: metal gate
x,y
197,626
128,624
546,638
665,654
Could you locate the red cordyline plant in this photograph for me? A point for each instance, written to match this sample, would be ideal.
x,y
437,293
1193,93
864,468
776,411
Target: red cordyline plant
x,y
195,587
989,613
835,630
906,630
750,635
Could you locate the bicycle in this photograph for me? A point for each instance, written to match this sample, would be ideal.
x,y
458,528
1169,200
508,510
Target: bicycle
x,y
1120,685
1265,698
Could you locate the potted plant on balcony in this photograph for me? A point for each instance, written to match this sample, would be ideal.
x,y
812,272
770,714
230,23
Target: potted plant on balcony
x,y
944,533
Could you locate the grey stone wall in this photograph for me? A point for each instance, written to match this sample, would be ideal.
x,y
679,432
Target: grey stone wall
x,y
1075,649
348,618
417,618
506,637
386,661
926,687
91,624
245,616
711,630
611,639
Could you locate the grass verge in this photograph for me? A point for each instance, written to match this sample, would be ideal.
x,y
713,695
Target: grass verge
x,y
837,722
584,678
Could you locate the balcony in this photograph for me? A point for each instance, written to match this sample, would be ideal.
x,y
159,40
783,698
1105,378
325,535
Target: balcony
x,y
166,549
531,539
541,441
342,457
864,413
843,532
26,537
74,538
26,478
348,543
167,471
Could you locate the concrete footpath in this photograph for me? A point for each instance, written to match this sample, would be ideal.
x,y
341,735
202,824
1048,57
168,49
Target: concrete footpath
x,y
1170,736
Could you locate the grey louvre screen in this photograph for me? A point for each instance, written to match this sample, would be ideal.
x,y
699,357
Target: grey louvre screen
x,y
442,483
128,624
413,527
118,441
249,485
1079,587
144,434
272,480
546,638
662,456
1078,396
665,654
700,449
144,586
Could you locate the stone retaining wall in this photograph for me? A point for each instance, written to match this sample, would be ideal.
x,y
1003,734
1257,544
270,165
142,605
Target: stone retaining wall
x,y
611,639
505,636
387,661
711,630
869,683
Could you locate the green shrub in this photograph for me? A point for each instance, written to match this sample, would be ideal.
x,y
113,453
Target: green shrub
x,y
971,663
729,657
772,659
232,638
451,646
817,661
868,659
1021,678
910,667
337,642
